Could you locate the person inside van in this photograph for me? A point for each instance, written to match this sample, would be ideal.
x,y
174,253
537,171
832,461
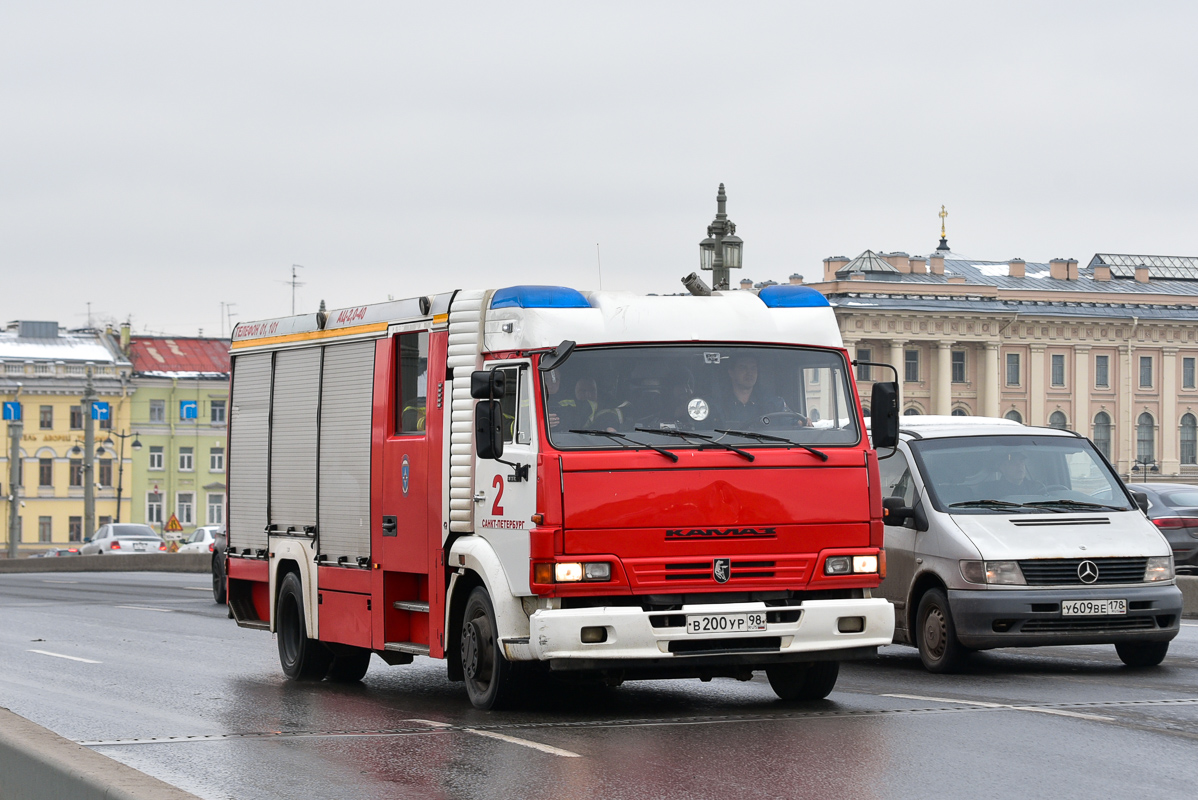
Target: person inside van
x,y
1013,478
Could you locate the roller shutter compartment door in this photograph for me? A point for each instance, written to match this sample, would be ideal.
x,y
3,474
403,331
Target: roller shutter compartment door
x,y
249,440
345,419
293,439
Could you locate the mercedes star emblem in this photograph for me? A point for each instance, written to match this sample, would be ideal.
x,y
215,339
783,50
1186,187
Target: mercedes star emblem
x,y
1087,571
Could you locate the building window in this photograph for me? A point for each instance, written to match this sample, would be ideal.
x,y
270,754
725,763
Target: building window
x,y
104,471
45,529
1014,416
1187,373
76,418
184,502
960,412
1058,369
45,418
156,458
911,412
1057,420
911,366
864,371
1102,372
217,412
76,472
1102,432
154,508
216,459
157,411
1189,440
1145,371
106,423
1012,369
75,529
45,472
186,462
958,362
216,509
1144,439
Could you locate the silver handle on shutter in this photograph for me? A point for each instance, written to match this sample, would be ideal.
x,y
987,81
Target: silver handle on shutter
x,y
480,497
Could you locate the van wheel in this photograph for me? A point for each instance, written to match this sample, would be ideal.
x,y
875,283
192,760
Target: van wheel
x,y
1142,654
490,678
303,659
936,636
803,681
350,667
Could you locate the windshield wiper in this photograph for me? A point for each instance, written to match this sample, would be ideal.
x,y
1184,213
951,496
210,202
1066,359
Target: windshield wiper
x,y
617,437
708,440
1072,504
765,437
985,504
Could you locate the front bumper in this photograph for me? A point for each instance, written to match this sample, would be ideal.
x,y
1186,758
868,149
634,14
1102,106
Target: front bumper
x,y
806,631
1032,617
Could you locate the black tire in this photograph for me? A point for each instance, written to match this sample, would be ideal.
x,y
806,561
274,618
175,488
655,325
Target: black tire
x,y
803,681
936,635
303,659
491,680
350,667
1142,654
219,590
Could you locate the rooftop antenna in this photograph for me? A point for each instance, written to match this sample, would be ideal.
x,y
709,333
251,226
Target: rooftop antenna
x,y
599,262
226,314
294,283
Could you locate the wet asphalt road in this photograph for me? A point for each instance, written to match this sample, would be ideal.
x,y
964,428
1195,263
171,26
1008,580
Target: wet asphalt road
x,y
158,659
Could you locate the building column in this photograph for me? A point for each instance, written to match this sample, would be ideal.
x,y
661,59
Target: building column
x,y
1170,459
896,358
1037,397
991,378
1082,421
942,392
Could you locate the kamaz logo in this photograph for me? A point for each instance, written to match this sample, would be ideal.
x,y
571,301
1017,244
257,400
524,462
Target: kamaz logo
x,y
712,533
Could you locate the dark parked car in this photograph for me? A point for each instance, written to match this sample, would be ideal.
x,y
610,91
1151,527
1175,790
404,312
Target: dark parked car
x,y
218,568
1173,507
55,552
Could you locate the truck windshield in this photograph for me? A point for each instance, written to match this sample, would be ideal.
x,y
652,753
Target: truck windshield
x,y
1017,474
731,394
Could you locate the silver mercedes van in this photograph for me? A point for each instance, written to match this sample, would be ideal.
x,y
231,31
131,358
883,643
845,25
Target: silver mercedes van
x,y
1003,535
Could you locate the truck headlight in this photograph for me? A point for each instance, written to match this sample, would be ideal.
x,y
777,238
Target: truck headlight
x,y
1159,568
1004,573
567,572
573,571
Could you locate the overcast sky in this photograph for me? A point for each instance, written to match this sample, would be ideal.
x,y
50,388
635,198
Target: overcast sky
x,y
158,159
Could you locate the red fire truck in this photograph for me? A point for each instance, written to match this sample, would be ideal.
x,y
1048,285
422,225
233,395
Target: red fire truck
x,y
539,479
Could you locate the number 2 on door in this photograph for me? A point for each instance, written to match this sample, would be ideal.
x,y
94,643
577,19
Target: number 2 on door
x,y
496,509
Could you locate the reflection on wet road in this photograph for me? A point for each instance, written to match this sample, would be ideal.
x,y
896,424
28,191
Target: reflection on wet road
x,y
192,699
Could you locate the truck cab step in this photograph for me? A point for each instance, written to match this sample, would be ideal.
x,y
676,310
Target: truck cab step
x,y
407,647
410,605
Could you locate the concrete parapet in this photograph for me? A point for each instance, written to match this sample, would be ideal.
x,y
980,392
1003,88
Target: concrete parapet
x,y
1189,595
145,562
38,764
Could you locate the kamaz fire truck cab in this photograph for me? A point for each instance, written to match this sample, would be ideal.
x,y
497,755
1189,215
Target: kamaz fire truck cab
x,y
596,483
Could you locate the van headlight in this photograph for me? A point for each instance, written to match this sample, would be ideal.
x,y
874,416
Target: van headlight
x,y
1159,568
1004,573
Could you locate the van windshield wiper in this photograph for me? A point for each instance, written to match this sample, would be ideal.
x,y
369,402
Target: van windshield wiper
x,y
620,439
1072,504
707,440
985,504
765,437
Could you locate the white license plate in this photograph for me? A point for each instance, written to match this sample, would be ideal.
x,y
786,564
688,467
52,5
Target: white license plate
x,y
139,546
1093,608
725,623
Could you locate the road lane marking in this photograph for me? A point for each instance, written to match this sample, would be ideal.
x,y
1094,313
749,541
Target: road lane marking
x,y
198,588
149,608
544,748
1056,711
60,655
60,581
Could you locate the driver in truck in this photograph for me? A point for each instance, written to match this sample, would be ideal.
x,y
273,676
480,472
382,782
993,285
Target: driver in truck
x,y
742,404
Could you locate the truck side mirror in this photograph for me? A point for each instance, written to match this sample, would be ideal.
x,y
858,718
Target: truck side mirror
x,y
488,428
884,416
488,384
894,512
1141,500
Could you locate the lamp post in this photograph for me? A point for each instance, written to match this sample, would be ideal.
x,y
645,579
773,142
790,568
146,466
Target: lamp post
x,y
721,250
1146,464
120,468
15,429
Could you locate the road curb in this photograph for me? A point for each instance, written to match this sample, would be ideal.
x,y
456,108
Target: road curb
x,y
38,764
1189,595
145,562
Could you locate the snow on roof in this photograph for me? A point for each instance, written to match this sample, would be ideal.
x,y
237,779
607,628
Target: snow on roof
x,y
76,347
179,357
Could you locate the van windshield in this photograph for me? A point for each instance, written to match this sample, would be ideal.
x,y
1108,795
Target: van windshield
x,y
737,395
1017,474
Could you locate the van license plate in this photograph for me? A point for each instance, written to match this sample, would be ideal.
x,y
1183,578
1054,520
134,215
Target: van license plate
x,y
1093,608
725,623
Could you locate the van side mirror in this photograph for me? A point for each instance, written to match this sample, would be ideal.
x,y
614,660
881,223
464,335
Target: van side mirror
x,y
488,428
884,416
894,512
488,384
1141,500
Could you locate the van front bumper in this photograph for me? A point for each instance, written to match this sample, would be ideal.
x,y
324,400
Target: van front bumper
x,y
637,639
986,618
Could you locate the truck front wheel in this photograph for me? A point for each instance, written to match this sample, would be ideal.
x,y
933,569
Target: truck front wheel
x,y
803,681
490,678
303,659
936,635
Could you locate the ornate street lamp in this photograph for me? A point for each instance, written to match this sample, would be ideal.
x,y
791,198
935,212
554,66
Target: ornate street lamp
x,y
721,250
120,470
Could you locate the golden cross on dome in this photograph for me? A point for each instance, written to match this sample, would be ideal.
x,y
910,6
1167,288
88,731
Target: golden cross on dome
x,y
943,216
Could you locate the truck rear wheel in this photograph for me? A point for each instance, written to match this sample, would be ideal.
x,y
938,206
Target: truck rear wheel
x,y
350,667
936,635
303,659
490,678
1142,654
803,681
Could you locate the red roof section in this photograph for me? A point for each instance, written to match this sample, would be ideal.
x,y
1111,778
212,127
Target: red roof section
x,y
181,354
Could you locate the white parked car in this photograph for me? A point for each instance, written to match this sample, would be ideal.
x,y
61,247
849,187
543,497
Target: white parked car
x,y
201,541
124,537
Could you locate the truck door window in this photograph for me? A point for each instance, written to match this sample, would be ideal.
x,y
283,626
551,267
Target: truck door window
x,y
896,478
411,384
515,405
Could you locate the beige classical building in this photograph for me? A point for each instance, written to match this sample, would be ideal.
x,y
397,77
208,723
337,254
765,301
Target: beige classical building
x,y
1107,349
